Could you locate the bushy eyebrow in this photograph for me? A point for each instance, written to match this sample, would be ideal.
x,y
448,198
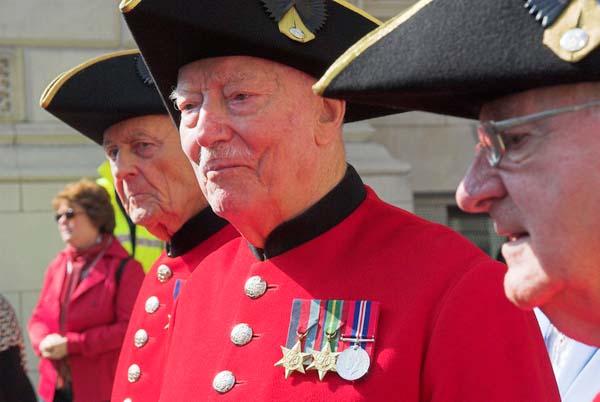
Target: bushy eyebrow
x,y
130,137
230,78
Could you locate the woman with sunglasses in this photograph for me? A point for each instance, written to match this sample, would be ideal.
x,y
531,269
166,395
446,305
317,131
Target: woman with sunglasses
x,y
79,322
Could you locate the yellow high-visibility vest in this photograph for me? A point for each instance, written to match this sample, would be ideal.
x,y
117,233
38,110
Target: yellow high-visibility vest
x,y
141,244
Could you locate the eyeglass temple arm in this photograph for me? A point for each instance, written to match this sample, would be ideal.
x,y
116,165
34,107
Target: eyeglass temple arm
x,y
502,125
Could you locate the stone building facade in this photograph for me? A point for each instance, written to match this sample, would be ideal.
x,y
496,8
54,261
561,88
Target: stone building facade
x,y
413,160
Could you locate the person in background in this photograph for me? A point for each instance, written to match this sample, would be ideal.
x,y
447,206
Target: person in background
x,y
158,189
78,324
139,243
330,293
532,77
14,383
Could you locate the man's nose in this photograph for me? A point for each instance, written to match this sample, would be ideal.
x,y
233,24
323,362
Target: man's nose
x,y
123,165
213,123
481,186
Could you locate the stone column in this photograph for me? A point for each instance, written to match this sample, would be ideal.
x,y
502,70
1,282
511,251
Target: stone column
x,y
382,172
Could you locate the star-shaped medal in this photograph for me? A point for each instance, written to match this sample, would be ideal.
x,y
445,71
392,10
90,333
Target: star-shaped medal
x,y
293,359
324,361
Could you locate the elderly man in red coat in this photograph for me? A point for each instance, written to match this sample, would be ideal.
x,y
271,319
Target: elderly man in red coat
x,y
534,85
331,294
112,100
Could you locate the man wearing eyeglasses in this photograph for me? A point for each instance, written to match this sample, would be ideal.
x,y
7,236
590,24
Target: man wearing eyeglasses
x,y
532,76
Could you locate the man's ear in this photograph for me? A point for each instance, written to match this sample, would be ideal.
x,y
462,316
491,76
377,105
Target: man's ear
x,y
331,118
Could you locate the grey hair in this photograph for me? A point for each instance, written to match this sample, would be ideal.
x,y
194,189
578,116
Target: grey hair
x,y
173,98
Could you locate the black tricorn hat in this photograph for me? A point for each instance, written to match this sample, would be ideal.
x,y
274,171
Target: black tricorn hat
x,y
451,56
305,34
101,92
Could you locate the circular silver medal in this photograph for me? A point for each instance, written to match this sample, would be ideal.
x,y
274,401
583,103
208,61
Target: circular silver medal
x,y
353,363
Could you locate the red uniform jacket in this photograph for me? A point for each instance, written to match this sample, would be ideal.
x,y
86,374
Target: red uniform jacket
x,y
446,332
98,313
200,236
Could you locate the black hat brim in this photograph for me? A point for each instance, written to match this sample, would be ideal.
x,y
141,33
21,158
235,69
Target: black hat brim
x,y
102,92
450,57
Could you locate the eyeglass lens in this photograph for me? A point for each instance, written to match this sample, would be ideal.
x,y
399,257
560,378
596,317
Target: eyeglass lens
x,y
69,214
491,143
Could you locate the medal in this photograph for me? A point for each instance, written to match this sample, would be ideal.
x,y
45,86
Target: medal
x,y
353,363
315,331
305,314
293,359
325,360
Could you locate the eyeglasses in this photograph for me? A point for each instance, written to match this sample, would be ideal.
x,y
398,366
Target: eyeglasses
x,y
69,214
490,132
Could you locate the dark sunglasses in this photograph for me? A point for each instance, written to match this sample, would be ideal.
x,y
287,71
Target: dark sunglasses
x,y
70,214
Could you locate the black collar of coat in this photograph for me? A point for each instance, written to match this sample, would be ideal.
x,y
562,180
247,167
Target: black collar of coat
x,y
196,230
330,210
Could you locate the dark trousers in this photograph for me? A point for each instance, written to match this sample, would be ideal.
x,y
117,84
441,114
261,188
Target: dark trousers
x,y
63,395
14,383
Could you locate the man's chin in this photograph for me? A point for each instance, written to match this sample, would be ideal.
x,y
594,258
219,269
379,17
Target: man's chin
x,y
527,289
519,299
142,217
227,203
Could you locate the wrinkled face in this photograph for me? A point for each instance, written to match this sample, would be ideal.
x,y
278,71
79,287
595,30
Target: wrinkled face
x,y
75,227
248,127
547,203
153,178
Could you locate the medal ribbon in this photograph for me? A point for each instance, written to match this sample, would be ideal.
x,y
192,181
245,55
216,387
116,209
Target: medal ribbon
x,y
303,319
363,317
332,315
177,289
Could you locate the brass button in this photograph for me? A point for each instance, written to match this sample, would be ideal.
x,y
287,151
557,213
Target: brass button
x,y
223,381
152,304
140,338
164,273
241,334
255,287
133,373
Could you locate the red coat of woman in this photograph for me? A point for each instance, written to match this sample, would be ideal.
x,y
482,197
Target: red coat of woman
x,y
98,313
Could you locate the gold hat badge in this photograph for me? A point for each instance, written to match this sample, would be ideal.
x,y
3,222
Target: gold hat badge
x,y
572,27
299,20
